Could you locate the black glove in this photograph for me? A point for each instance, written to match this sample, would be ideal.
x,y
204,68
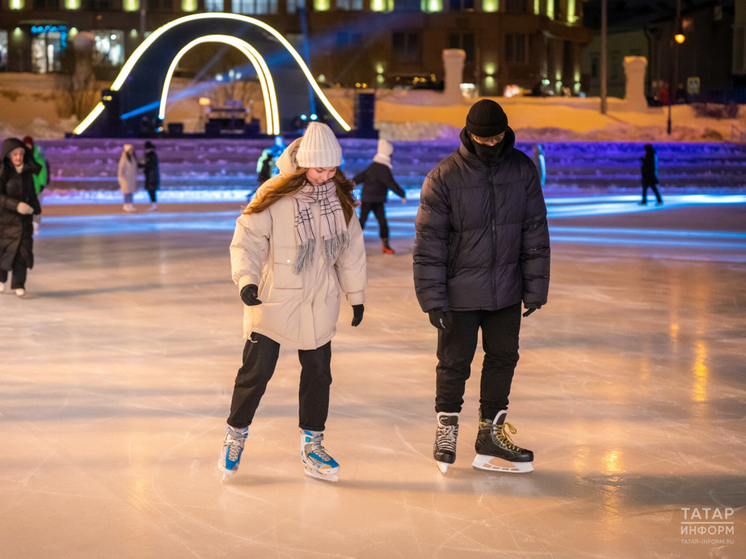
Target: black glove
x,y
530,309
357,314
249,295
440,319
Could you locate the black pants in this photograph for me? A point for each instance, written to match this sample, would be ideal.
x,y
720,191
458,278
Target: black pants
x,y
151,193
260,356
19,274
645,187
456,347
380,213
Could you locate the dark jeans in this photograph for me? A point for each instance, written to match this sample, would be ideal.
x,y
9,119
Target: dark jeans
x,y
645,187
19,274
151,193
456,347
260,356
380,212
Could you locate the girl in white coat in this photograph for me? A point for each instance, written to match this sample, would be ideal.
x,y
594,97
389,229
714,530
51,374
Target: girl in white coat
x,y
127,174
296,249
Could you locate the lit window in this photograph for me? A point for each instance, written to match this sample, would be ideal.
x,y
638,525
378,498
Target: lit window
x,y
254,7
431,6
108,48
3,51
47,42
293,5
349,4
213,5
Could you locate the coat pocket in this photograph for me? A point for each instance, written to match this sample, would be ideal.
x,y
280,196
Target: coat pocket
x,y
283,276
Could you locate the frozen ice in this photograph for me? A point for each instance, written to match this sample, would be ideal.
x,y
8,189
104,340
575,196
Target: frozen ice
x,y
117,371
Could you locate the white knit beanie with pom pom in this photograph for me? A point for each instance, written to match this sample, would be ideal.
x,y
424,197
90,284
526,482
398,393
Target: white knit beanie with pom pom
x,y
319,148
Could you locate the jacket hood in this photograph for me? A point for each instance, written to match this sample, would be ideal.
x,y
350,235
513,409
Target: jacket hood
x,y
9,144
467,147
287,163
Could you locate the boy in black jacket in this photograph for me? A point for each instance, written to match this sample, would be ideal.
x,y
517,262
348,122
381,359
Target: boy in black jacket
x,y
377,180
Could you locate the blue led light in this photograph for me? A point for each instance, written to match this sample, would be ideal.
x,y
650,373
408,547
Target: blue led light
x,y
303,117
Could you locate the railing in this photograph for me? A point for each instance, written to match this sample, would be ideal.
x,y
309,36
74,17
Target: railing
x,y
737,135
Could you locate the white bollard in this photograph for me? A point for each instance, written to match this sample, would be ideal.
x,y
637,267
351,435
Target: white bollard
x,y
634,70
453,65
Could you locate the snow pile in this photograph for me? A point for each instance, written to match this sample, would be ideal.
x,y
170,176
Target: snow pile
x,y
417,131
40,129
622,132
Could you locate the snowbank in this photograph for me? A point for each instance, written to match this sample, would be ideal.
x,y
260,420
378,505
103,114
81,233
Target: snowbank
x,y
32,104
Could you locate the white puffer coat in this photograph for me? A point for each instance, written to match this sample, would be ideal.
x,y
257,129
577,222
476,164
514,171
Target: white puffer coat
x,y
298,311
127,174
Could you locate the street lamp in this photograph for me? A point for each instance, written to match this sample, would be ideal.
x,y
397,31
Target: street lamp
x,y
673,84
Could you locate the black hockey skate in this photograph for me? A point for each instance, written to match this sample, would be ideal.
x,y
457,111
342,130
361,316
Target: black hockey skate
x,y
444,449
496,452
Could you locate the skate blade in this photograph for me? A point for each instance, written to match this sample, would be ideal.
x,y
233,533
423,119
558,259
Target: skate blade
x,y
226,472
443,467
313,472
494,464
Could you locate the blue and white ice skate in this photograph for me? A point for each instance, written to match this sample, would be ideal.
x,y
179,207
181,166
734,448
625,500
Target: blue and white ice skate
x,y
316,460
230,456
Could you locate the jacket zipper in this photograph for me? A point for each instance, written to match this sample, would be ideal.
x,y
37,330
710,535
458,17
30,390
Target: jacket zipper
x,y
494,240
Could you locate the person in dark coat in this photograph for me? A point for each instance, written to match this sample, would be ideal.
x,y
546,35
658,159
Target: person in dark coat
x,y
481,249
377,180
650,175
152,174
18,203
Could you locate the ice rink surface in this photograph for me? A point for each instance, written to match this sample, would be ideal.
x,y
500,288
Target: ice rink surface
x,y
117,369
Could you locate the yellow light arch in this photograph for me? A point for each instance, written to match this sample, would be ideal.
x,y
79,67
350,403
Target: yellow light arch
x,y
262,71
147,43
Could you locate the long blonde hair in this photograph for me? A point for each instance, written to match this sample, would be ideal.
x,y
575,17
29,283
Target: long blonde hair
x,y
295,182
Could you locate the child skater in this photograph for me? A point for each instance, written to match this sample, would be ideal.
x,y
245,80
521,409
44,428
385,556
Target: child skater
x,y
377,180
296,248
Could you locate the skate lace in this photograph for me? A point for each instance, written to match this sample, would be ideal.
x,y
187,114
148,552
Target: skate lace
x,y
446,437
235,446
501,435
317,448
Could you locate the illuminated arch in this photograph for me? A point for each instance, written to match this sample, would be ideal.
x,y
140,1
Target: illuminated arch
x,y
141,51
262,72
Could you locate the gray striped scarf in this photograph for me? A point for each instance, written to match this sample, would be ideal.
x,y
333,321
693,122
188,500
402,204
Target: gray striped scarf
x,y
333,227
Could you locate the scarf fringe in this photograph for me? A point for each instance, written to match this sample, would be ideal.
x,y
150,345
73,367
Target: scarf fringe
x,y
304,256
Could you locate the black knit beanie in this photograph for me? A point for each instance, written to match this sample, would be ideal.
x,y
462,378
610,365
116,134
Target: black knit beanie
x,y
486,119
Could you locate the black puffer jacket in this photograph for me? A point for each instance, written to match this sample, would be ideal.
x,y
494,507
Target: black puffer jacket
x,y
151,170
481,241
377,179
16,230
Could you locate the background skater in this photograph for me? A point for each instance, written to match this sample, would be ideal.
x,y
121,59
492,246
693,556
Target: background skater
x,y
481,247
296,249
152,175
377,180
650,175
18,203
127,176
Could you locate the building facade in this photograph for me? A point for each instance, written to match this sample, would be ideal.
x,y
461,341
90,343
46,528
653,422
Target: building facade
x,y
535,44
